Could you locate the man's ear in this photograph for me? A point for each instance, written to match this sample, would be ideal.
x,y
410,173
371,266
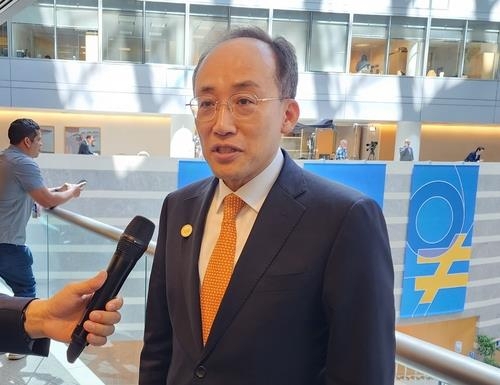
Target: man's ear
x,y
27,142
291,116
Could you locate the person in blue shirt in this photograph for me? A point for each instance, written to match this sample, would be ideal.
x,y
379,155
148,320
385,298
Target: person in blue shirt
x,y
341,153
22,188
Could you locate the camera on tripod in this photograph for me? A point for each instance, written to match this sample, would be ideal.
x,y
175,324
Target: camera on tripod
x,y
371,146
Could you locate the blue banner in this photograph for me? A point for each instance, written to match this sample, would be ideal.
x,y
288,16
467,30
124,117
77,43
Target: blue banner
x,y
191,171
368,178
439,239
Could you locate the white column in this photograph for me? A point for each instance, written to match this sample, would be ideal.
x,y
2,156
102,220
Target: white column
x,y
181,136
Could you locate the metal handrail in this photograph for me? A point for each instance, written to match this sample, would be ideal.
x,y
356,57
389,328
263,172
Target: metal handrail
x,y
433,360
442,363
97,227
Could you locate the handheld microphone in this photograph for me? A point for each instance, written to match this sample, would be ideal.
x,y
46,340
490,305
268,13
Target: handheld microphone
x,y
131,245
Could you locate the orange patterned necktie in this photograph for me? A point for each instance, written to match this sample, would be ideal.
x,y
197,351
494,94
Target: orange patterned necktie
x,y
220,266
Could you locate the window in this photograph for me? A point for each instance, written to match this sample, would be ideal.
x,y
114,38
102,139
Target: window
x,y
406,48
73,137
122,30
77,37
445,47
165,33
4,47
33,30
481,50
243,17
328,42
369,40
293,26
206,25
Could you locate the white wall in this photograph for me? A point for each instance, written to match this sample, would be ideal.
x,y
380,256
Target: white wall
x,y
120,134
128,88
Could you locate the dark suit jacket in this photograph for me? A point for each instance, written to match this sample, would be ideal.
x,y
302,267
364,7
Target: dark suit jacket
x,y
406,153
472,157
84,148
310,301
12,336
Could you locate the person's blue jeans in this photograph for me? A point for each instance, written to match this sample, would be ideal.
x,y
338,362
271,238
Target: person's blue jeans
x,y
16,269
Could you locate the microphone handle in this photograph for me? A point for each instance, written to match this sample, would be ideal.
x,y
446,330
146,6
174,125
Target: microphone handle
x,y
118,269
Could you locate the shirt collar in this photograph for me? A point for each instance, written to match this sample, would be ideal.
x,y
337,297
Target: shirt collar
x,y
255,191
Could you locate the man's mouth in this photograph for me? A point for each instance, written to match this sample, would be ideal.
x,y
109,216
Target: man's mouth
x,y
225,149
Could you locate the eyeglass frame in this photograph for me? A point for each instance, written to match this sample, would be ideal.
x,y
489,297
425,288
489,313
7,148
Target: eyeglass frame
x,y
229,107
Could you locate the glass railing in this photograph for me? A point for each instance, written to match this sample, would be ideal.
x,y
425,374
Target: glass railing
x,y
68,247
66,250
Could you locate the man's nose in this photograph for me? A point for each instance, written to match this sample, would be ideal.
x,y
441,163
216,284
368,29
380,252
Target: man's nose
x,y
223,119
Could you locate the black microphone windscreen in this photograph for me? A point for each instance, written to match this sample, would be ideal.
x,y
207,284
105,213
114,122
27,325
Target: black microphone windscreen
x,y
141,229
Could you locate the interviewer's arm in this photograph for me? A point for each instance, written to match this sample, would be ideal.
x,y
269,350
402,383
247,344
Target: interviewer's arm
x,y
55,318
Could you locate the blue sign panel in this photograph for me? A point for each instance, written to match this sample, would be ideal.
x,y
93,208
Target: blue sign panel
x,y
191,171
368,178
439,239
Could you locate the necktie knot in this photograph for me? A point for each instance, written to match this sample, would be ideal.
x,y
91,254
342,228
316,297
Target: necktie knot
x,y
232,206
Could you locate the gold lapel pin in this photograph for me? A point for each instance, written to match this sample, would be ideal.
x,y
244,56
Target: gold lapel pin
x,y
186,230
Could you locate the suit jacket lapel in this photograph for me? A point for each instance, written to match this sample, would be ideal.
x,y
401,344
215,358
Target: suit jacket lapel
x,y
276,219
196,208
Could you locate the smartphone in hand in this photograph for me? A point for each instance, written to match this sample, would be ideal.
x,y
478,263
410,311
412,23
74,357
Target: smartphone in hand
x,y
82,183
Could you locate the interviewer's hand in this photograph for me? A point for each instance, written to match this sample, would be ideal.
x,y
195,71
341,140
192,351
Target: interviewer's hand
x,y
57,316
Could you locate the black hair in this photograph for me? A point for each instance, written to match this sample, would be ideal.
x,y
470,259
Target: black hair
x,y
23,128
286,59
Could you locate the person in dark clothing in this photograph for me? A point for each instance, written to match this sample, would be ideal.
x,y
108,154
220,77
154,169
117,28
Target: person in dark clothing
x,y
475,156
85,145
406,152
363,65
298,271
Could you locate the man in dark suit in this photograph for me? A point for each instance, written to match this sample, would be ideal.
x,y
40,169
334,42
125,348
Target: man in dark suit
x,y
85,145
474,156
310,300
26,324
405,151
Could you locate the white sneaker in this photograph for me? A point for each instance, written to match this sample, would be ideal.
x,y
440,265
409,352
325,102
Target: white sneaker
x,y
15,356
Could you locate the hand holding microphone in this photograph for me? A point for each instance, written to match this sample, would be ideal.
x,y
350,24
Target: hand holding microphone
x,y
132,244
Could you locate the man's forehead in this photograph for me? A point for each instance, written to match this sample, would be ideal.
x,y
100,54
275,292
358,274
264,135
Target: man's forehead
x,y
245,47
248,55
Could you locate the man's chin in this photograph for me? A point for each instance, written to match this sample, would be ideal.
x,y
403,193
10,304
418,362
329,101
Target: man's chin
x,y
224,171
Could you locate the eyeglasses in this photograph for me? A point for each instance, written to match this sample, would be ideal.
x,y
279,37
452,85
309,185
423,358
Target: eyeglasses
x,y
241,106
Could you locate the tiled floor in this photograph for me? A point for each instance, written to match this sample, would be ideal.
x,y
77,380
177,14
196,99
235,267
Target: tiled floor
x,y
114,364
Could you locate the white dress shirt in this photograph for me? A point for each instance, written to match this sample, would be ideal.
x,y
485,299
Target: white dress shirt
x,y
253,194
